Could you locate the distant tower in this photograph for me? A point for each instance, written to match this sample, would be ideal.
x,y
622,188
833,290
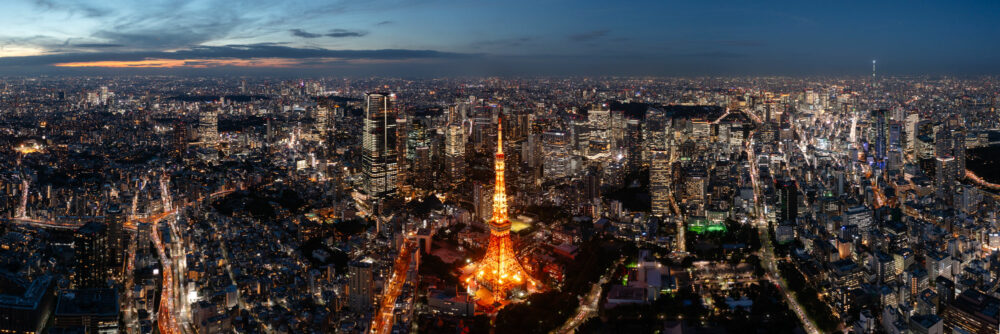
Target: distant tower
x,y
873,94
322,120
379,151
499,271
873,72
179,144
208,126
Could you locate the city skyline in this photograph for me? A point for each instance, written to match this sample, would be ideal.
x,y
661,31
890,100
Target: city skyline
x,y
521,167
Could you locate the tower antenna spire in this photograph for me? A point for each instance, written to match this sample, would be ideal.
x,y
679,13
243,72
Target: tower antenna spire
x,y
500,270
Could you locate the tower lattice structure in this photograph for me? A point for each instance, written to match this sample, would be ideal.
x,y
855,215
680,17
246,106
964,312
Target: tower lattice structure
x,y
499,270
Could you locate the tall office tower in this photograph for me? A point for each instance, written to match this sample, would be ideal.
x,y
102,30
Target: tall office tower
x,y
599,119
360,285
104,94
422,168
592,191
402,159
616,131
580,134
532,149
659,182
499,271
142,241
454,152
695,184
949,142
322,120
592,183
599,124
878,136
379,147
557,155
114,218
911,131
788,196
482,201
957,134
179,143
945,176
633,145
942,140
208,127
92,258
895,135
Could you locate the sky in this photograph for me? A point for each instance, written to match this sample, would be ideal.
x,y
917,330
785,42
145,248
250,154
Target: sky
x,y
512,37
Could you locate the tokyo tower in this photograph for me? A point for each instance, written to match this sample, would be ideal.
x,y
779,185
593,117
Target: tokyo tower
x,y
499,271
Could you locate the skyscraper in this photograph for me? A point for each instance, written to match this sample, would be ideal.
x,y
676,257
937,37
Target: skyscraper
x,y
910,129
179,143
557,156
659,182
878,136
454,152
115,220
379,147
360,286
208,127
322,120
788,199
92,258
633,144
946,176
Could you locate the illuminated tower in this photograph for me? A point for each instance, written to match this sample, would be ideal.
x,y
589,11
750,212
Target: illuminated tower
x,y
499,271
378,159
878,134
179,144
209,128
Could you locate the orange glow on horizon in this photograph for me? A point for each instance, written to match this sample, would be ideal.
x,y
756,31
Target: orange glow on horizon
x,y
192,63
231,62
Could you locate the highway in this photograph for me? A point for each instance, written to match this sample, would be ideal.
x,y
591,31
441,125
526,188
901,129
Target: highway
x,y
170,317
383,319
589,304
166,320
767,248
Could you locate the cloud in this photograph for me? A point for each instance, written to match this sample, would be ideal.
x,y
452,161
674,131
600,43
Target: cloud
x,y
72,8
268,53
589,36
304,34
335,33
339,33
387,22
96,45
157,34
503,42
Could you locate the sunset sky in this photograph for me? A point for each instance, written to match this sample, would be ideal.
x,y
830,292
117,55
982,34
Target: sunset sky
x,y
504,37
